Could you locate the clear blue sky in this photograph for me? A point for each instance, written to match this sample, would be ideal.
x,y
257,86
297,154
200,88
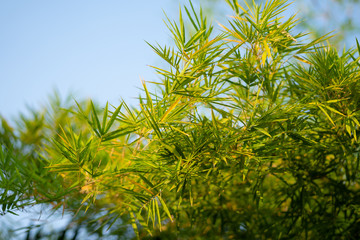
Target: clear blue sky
x,y
91,48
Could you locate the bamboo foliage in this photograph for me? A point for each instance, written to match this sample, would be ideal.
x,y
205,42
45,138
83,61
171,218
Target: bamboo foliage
x,y
251,132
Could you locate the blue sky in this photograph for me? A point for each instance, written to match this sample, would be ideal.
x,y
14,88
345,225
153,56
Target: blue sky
x,y
90,48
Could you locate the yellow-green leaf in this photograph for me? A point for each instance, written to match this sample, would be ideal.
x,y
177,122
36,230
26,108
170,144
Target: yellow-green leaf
x,y
267,49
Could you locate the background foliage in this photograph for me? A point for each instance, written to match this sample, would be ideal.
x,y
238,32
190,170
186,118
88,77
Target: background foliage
x,y
250,132
317,17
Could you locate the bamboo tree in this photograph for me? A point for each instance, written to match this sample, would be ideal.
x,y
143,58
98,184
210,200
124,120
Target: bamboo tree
x,y
251,132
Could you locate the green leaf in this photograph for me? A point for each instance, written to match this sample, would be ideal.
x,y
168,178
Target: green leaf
x,y
113,117
194,38
156,203
104,118
172,149
263,131
165,208
147,181
333,110
134,225
326,114
65,167
118,133
96,119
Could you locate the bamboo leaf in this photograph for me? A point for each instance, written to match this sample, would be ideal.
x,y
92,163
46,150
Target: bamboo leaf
x,y
87,197
267,49
104,118
153,212
96,120
118,133
263,57
171,149
302,60
326,114
263,131
134,225
163,118
147,181
156,203
333,110
194,38
65,167
165,208
113,117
